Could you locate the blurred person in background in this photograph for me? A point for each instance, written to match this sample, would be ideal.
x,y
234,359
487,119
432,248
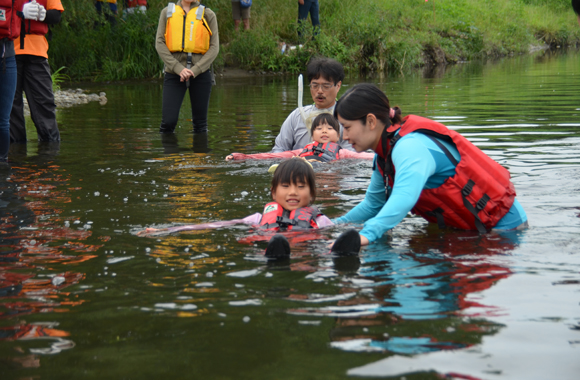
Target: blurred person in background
x,y
34,77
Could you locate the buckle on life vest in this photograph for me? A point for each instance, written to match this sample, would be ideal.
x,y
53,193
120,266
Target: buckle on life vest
x,y
467,188
284,221
482,202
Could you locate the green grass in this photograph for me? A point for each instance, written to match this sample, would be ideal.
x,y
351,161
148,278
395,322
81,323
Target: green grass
x,y
365,35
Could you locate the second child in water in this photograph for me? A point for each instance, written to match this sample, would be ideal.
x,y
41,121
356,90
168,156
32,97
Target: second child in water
x,y
325,136
293,191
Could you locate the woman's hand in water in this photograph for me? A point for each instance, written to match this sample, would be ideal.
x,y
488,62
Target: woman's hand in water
x,y
230,157
363,241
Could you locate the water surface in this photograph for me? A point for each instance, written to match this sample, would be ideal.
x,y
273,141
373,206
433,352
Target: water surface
x,y
82,297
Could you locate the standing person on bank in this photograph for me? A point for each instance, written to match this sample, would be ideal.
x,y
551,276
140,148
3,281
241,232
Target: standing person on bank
x,y
34,76
11,14
423,167
325,76
305,7
576,6
242,13
188,52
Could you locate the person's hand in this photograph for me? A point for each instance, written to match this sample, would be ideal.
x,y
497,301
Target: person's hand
x,y
229,157
363,241
185,74
301,2
30,10
41,13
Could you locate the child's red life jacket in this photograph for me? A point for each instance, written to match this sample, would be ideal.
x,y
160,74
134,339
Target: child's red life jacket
x,y
275,216
475,198
321,152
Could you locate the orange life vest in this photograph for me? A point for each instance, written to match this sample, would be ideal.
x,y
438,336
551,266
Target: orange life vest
x,y
189,33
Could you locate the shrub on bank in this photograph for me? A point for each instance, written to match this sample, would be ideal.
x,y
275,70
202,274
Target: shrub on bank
x,y
365,35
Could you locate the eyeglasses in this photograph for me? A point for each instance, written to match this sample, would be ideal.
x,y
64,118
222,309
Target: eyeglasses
x,y
325,86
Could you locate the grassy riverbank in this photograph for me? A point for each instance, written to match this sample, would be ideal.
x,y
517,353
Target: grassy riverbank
x,y
365,35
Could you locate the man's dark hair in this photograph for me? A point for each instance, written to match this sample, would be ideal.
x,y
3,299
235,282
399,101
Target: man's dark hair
x,y
576,6
327,68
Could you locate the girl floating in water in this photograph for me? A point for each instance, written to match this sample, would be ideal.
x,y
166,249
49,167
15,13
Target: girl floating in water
x,y
293,191
325,132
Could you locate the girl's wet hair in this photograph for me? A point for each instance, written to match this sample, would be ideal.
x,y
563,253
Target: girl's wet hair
x,y
325,118
295,170
363,99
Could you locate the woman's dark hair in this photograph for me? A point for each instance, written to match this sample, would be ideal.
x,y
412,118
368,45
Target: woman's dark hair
x,y
325,118
295,170
363,99
576,6
326,68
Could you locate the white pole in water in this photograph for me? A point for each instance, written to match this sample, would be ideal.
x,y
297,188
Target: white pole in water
x,y
300,93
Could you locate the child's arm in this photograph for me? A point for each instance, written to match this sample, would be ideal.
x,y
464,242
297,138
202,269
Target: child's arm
x,y
252,219
345,153
263,156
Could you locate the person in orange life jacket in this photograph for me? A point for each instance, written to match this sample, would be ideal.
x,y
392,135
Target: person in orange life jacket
x,y
576,7
12,12
34,76
423,167
184,69
324,132
134,6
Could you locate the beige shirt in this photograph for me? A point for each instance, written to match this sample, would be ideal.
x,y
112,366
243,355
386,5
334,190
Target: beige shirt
x,y
176,62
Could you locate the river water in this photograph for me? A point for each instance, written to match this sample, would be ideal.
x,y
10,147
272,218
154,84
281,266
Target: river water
x,y
81,296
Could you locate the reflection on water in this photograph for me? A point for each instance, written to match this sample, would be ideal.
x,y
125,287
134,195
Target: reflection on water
x,y
76,286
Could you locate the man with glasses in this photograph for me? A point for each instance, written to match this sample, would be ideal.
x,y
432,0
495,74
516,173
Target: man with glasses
x,y
325,76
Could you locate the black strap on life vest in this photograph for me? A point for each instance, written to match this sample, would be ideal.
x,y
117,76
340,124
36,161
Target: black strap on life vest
x,y
284,221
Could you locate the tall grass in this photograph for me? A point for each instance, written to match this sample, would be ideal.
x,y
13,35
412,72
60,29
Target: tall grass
x,y
365,35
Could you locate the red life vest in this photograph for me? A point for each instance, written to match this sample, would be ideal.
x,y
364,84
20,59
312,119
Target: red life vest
x,y
36,27
9,20
275,216
321,152
135,3
475,198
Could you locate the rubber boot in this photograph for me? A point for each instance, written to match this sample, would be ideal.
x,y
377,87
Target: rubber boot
x,y
278,247
348,243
